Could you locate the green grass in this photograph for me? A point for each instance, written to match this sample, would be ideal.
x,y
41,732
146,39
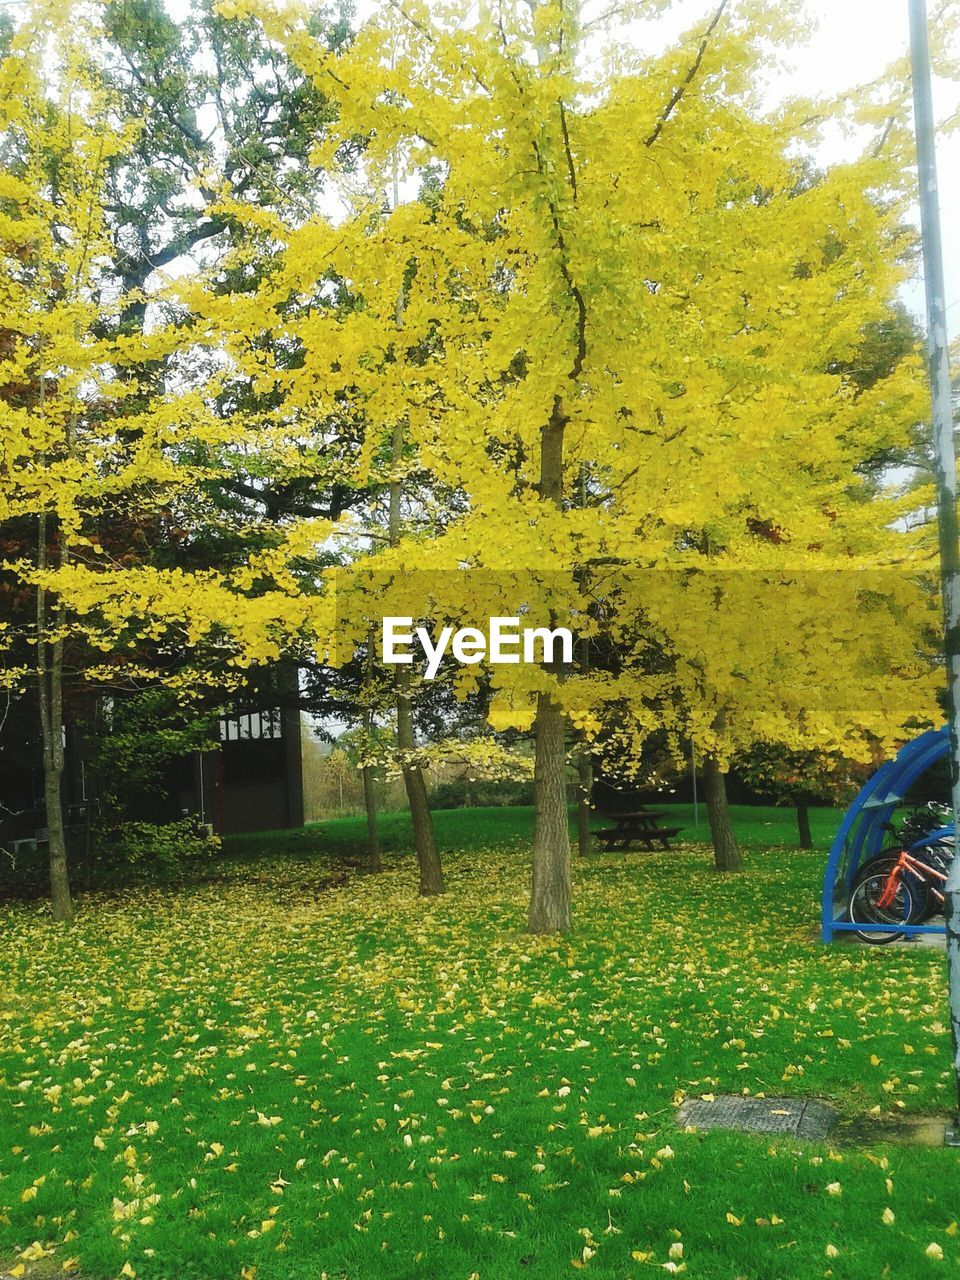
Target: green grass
x,y
403,1085
467,830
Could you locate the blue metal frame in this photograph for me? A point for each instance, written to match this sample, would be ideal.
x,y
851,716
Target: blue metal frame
x,y
862,835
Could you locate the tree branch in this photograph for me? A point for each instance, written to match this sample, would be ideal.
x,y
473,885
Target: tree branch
x,y
687,80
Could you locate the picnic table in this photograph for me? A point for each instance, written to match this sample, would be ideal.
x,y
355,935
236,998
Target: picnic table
x,y
638,827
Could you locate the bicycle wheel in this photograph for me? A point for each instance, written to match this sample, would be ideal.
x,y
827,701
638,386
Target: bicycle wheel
x,y
919,887
865,908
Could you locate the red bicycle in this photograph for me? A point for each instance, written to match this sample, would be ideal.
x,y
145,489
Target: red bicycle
x,y
902,886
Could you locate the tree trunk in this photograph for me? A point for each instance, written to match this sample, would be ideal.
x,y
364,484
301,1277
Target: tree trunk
x,y
726,852
374,858
584,787
50,706
50,685
551,891
60,900
803,824
551,894
424,838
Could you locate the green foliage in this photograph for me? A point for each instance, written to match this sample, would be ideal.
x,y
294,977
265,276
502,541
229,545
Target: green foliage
x,y
464,793
133,744
792,777
115,855
371,745
148,852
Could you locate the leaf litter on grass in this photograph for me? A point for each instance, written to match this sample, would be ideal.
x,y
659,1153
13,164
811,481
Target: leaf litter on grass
x,y
222,1081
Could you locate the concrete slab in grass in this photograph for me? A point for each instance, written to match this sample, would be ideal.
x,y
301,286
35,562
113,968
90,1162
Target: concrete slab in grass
x,y
801,1117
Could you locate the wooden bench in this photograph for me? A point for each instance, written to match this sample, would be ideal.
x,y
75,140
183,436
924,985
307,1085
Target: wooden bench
x,y
639,828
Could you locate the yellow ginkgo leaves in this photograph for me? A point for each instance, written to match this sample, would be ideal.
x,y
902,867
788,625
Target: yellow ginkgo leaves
x,y
155,1003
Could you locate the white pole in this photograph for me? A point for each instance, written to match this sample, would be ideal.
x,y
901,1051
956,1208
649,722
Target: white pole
x,y
946,472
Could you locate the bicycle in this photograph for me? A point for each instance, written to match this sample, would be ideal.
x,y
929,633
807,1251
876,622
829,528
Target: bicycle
x,y
900,885
920,822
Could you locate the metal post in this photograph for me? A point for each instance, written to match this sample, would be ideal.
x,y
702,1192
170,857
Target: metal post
x,y
946,472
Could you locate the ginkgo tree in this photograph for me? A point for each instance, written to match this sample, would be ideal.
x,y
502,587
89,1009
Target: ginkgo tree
x,y
826,663
616,321
616,274
99,452
57,377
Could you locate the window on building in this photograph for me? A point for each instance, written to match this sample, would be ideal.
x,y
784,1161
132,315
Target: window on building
x,y
252,727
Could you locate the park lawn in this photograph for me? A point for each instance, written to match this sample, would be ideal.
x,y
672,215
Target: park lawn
x,y
472,829
264,1076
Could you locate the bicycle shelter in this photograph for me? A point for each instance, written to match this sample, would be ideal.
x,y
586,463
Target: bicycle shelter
x,y
863,832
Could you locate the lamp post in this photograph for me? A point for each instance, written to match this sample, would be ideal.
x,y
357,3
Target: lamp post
x,y
946,473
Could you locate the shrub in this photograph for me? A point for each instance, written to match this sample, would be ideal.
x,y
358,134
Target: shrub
x,y
464,794
144,852
118,854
